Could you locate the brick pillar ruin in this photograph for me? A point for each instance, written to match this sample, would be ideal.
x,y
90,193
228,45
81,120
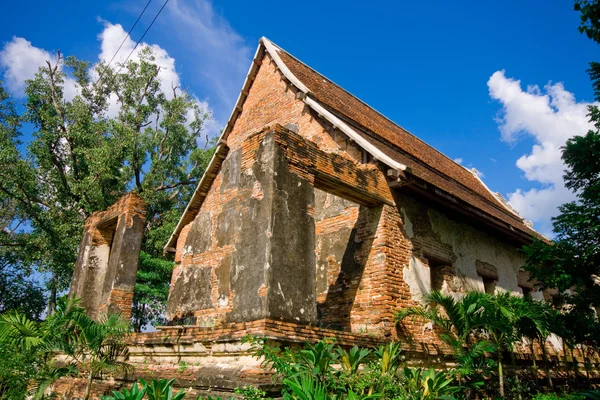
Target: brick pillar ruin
x,y
106,267
251,251
273,273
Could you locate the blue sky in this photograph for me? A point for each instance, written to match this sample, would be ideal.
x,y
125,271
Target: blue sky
x,y
446,71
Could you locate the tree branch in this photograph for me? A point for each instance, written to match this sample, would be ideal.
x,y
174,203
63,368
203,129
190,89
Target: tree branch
x,y
174,185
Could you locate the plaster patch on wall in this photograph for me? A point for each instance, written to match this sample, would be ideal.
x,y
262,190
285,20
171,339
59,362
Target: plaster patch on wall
x,y
408,226
555,342
418,278
469,245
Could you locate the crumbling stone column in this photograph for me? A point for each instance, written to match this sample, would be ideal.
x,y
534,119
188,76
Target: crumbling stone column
x,y
106,267
273,268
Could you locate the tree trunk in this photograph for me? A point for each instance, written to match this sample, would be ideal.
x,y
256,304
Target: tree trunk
x,y
52,297
88,388
500,374
535,368
513,362
575,363
546,365
586,363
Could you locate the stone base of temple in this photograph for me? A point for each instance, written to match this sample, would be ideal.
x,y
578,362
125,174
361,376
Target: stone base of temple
x,y
213,361
216,361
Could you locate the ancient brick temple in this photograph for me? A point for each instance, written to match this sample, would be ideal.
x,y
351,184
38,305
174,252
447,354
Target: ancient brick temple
x,y
317,216
317,210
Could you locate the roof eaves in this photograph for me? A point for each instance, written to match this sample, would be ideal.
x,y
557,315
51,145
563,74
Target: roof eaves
x,y
273,49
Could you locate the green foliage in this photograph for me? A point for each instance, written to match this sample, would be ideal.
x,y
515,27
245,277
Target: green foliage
x,y
151,291
571,265
156,389
162,389
311,372
135,393
481,323
558,396
590,15
389,357
81,158
251,393
592,394
457,319
352,360
304,387
19,293
30,347
426,384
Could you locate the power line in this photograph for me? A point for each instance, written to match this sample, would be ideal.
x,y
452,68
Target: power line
x,y
123,42
142,38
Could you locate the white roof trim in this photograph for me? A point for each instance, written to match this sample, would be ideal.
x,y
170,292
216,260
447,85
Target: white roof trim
x,y
273,51
362,142
494,195
338,123
169,246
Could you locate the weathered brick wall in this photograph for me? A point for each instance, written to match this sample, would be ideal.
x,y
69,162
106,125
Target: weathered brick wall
x,y
215,361
210,248
443,238
294,219
208,254
271,100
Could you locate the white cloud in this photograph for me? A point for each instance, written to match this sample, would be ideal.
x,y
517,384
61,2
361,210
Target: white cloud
x,y
112,36
20,60
458,160
549,116
219,52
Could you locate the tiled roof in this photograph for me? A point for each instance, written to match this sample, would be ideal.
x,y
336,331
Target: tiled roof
x,y
423,161
377,134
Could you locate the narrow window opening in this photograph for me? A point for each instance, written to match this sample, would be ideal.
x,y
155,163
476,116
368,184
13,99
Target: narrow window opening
x,y
489,276
437,269
489,284
526,290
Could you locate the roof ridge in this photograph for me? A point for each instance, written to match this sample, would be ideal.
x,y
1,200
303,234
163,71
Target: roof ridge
x,y
362,101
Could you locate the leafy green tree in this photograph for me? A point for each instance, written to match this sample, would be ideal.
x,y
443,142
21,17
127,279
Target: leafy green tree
x,y
458,318
590,17
460,322
571,264
18,292
536,330
83,155
151,291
